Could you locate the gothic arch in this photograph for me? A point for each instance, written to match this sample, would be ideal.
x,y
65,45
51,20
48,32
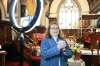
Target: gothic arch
x,y
2,11
57,3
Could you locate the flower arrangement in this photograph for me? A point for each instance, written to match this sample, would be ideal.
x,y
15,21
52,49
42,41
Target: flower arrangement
x,y
76,52
71,40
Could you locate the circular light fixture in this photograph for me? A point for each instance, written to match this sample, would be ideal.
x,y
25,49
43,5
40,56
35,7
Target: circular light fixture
x,y
32,23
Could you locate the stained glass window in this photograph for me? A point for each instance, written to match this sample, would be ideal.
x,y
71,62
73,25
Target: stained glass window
x,y
69,15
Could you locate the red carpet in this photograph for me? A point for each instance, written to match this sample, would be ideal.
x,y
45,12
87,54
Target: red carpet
x,y
15,63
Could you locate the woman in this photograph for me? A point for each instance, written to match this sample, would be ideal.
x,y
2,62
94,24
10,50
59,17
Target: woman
x,y
54,50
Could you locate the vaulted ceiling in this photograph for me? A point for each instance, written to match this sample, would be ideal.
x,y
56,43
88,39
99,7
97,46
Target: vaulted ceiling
x,y
91,7
94,6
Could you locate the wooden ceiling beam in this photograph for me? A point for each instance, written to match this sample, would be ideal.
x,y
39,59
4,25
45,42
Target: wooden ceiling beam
x,y
90,16
94,5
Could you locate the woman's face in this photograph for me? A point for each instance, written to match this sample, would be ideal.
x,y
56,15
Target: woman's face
x,y
54,30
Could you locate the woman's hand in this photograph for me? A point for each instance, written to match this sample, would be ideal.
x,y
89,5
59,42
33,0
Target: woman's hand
x,y
61,44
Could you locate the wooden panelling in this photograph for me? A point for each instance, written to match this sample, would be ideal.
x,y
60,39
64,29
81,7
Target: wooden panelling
x,y
5,32
90,16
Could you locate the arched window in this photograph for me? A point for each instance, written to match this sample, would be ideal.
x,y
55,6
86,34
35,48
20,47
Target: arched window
x,y
69,15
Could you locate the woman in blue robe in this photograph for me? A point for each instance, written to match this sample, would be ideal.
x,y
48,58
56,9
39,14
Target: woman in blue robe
x,y
54,49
